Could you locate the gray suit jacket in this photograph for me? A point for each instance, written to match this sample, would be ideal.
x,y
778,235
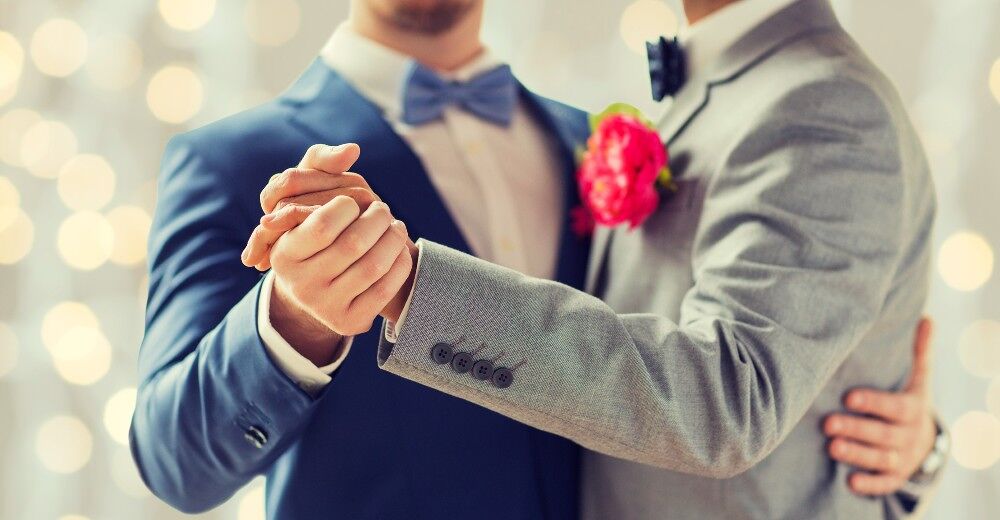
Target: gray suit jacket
x,y
790,266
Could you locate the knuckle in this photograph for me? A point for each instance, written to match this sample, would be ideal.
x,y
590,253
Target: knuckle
x,y
374,268
385,292
346,204
352,246
890,460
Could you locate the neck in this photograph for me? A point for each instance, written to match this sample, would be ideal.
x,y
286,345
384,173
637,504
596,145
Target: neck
x,y
445,51
696,10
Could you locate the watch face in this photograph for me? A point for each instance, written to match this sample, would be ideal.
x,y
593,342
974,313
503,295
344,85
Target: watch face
x,y
935,459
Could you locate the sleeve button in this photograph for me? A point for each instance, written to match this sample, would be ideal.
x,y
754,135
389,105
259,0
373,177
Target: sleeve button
x,y
502,377
461,363
255,436
442,353
483,369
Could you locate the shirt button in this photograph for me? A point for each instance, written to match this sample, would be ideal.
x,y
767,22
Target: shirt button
x,y
502,377
483,369
442,353
255,436
461,363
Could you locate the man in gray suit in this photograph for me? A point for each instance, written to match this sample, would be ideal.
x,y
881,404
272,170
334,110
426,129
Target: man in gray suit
x,y
789,267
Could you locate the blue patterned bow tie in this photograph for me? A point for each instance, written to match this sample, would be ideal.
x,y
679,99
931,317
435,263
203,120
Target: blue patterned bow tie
x,y
667,70
490,95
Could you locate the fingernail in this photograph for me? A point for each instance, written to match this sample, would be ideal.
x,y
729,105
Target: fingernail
x,y
856,400
833,425
243,256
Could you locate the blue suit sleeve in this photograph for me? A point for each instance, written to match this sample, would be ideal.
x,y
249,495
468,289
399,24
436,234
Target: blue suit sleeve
x,y
213,410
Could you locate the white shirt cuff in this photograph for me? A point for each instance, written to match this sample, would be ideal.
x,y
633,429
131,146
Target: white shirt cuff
x,y
392,329
307,375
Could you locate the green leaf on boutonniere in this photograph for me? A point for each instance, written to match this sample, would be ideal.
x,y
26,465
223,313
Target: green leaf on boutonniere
x,y
666,179
615,109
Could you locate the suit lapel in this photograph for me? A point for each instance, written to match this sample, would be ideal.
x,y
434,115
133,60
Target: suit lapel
x,y
331,111
798,20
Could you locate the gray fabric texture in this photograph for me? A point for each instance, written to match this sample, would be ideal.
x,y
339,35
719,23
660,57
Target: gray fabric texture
x,y
790,266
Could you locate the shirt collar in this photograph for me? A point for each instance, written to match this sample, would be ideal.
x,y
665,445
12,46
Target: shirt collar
x,y
705,41
379,73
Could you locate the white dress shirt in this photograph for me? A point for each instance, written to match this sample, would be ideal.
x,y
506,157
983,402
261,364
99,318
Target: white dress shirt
x,y
502,185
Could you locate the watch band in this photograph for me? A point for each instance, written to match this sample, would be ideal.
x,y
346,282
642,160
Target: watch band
x,y
936,458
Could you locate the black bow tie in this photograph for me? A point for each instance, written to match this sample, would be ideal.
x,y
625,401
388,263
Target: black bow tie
x,y
667,70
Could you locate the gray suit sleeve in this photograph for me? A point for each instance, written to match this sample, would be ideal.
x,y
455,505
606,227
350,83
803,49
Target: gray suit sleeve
x,y
793,258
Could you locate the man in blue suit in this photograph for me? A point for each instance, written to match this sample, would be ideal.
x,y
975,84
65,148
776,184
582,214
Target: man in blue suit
x,y
238,381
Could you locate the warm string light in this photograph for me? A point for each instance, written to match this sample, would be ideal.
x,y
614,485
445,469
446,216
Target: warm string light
x,y
976,440
186,15
59,47
118,414
64,444
86,182
11,66
86,240
646,20
251,504
174,94
965,261
272,22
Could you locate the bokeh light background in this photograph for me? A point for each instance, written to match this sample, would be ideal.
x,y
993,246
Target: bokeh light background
x,y
91,90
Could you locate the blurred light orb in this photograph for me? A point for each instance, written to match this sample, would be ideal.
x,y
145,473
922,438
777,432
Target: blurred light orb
x,y
251,506
86,240
10,202
11,66
118,414
995,79
965,261
979,348
126,476
13,125
46,146
115,62
86,182
975,440
131,227
62,318
82,356
64,444
272,22
646,20
59,47
186,15
8,350
16,238
174,94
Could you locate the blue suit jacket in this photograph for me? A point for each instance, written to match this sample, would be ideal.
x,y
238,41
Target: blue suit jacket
x,y
214,410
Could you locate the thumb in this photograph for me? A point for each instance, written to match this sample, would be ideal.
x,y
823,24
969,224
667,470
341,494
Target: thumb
x,y
920,373
330,159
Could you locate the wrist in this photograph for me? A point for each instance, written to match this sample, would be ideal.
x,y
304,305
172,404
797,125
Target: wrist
x,y
307,335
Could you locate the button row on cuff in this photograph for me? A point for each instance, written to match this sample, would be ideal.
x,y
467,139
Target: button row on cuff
x,y
462,362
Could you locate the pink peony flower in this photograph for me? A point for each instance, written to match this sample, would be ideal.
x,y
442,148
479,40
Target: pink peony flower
x,y
618,175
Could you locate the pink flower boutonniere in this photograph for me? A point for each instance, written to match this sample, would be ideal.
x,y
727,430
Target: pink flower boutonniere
x,y
620,170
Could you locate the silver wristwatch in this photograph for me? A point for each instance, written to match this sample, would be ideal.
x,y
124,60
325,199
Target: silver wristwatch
x,y
935,459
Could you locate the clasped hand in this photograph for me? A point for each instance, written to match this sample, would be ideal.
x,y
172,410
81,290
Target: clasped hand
x,y
338,255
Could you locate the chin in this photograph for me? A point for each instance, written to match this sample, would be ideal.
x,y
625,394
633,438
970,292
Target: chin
x,y
423,16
